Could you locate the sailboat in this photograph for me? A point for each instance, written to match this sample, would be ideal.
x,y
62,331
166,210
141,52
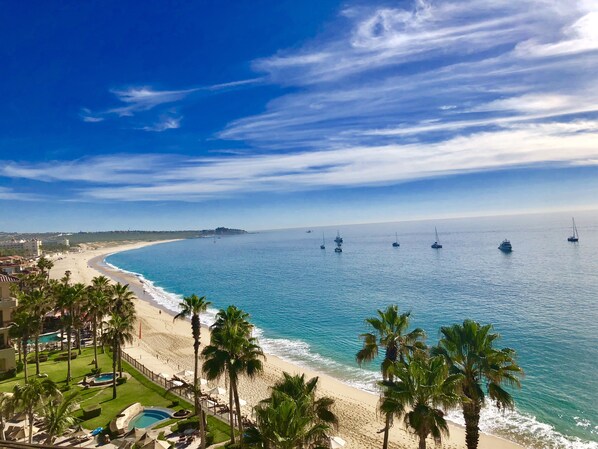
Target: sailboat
x,y
339,242
575,237
396,243
322,246
436,244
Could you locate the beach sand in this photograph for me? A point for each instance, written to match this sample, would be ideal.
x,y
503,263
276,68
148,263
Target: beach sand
x,y
166,346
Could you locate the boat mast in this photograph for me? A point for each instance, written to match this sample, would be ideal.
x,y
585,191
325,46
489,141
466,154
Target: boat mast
x,y
436,232
575,234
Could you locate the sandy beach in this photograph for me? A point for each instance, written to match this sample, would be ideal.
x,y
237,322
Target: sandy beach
x,y
166,345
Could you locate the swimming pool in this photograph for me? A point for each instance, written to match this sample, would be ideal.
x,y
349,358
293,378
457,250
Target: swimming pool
x,y
103,377
148,417
47,338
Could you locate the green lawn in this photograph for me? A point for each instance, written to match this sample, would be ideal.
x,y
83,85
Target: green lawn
x,y
136,389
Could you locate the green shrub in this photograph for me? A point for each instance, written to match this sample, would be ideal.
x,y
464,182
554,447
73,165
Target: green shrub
x,y
65,355
121,380
96,371
20,366
9,374
91,411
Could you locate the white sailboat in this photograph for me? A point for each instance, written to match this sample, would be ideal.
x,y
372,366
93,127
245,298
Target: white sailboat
x,y
436,244
323,245
575,237
339,242
396,243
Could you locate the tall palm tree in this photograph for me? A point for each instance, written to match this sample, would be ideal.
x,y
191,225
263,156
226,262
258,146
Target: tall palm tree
x,y
119,331
419,391
121,303
389,333
233,352
22,328
469,350
68,299
59,415
191,307
32,396
37,302
101,283
97,303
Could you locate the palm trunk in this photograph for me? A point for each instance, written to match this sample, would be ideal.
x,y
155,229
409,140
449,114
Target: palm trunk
x,y
238,407
386,431
68,365
231,415
78,337
471,414
120,360
37,354
422,442
2,435
202,423
114,352
24,342
61,339
31,428
95,342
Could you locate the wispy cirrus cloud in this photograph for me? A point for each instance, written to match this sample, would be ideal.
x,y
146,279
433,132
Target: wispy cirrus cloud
x,y
398,68
183,178
137,99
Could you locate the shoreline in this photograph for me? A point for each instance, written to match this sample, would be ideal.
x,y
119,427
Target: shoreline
x,y
167,344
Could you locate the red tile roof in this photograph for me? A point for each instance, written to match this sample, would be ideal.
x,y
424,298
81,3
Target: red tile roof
x,y
8,278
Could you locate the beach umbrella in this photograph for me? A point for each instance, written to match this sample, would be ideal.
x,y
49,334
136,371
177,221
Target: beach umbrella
x,y
185,373
134,434
242,402
203,382
164,376
337,442
155,444
125,444
177,383
218,391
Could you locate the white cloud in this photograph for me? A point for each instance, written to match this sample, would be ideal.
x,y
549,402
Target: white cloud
x,y
165,123
171,177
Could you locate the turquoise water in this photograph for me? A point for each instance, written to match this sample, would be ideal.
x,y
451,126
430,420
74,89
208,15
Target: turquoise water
x,y
148,418
48,338
103,377
309,304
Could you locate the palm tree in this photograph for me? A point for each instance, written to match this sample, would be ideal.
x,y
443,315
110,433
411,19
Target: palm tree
x,y
6,410
102,283
192,306
286,424
296,388
234,352
389,332
119,331
32,396
45,265
59,416
22,328
469,350
419,389
37,303
97,303
68,299
121,303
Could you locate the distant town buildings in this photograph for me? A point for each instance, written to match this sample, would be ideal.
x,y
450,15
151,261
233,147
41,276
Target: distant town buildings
x,y
29,248
8,304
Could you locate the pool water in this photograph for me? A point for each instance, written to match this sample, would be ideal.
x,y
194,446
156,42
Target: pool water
x,y
103,377
148,418
47,338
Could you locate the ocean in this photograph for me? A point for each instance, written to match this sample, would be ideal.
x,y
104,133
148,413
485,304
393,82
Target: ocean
x,y
309,304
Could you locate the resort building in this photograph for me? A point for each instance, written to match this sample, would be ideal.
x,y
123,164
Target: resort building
x,y
14,265
8,304
30,248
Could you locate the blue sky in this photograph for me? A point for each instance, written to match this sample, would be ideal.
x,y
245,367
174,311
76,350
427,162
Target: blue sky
x,y
264,114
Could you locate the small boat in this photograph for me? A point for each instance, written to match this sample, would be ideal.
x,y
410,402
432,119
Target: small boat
x,y
339,242
323,246
575,237
436,244
396,243
505,246
308,231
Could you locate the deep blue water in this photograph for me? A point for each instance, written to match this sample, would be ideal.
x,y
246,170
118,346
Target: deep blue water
x,y
310,304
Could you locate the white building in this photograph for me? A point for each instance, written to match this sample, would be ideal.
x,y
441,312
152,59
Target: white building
x,y
30,248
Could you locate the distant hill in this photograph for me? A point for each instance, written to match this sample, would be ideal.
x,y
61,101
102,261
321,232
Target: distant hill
x,y
118,236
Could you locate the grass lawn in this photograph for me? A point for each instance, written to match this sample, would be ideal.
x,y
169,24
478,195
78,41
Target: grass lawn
x,y
136,389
